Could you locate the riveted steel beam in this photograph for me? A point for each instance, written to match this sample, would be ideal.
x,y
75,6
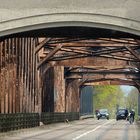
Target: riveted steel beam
x,y
54,51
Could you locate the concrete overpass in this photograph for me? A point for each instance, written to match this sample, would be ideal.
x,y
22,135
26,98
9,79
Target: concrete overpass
x,y
20,16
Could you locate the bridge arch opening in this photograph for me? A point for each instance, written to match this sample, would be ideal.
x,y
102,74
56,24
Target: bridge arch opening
x,y
76,53
111,97
75,31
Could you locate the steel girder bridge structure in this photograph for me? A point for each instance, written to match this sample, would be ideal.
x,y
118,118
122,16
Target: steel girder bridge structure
x,y
49,50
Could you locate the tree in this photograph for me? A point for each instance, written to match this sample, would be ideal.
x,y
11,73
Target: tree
x,y
108,97
132,100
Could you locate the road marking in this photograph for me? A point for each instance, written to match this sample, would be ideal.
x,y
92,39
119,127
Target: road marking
x,y
84,134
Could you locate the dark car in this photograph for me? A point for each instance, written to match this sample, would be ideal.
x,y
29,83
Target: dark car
x,y
121,114
103,113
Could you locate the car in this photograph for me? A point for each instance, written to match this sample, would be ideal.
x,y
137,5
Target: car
x,y
121,114
103,113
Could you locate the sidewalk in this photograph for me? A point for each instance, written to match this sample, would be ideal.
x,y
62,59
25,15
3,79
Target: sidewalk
x,y
36,130
33,129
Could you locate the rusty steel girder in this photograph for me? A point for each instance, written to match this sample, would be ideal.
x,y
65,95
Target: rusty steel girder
x,y
104,54
42,74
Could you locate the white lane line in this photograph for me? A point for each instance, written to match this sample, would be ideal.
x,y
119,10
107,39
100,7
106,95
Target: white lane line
x,y
84,134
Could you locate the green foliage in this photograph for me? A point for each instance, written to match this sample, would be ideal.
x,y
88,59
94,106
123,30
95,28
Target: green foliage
x,y
107,97
112,96
131,100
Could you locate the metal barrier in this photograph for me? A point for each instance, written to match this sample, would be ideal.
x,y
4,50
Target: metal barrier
x,y
48,118
17,121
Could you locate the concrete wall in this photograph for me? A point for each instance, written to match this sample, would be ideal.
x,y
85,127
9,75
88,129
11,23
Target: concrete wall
x,y
17,16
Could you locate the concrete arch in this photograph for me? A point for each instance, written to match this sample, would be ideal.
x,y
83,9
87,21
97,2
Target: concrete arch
x,y
117,15
69,19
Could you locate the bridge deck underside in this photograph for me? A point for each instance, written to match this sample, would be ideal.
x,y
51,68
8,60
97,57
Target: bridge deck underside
x,y
95,60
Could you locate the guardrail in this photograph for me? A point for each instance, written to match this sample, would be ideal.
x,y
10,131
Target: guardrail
x,y
17,121
48,118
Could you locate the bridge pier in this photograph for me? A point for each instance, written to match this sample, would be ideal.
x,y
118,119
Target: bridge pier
x,y
58,94
53,90
59,89
72,96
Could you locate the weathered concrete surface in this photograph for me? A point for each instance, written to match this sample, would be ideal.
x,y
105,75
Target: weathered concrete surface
x,y
17,16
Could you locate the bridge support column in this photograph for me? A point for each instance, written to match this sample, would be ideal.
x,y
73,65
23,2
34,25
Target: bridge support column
x,y
59,89
72,96
53,90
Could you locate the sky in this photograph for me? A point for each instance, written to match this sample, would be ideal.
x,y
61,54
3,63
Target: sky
x,y
126,89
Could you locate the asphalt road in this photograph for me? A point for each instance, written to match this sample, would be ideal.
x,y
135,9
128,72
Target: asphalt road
x,y
88,129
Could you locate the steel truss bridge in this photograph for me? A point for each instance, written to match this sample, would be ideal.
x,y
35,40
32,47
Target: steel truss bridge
x,y
48,51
